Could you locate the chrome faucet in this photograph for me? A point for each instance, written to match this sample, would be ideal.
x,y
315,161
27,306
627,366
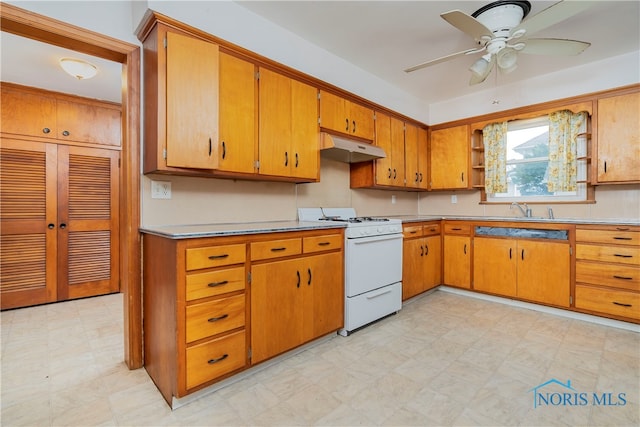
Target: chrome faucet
x,y
526,212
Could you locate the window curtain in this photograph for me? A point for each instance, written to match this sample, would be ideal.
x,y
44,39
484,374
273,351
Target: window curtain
x,y
564,127
494,138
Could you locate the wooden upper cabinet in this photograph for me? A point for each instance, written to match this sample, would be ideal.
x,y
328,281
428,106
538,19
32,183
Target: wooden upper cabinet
x,y
346,117
416,159
192,102
449,158
618,143
43,114
288,130
237,145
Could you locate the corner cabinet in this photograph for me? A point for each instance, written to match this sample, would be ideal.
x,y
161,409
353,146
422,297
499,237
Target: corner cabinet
x,y
449,158
618,139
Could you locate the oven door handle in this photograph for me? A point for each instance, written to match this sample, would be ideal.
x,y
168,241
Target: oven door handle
x,y
370,239
379,294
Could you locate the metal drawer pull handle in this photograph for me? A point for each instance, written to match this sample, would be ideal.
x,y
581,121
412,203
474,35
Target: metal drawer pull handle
x,y
215,319
298,274
224,150
622,229
354,126
309,281
324,243
421,250
465,248
621,304
456,229
622,238
623,256
622,277
214,284
210,147
278,249
212,257
219,359
426,247
413,232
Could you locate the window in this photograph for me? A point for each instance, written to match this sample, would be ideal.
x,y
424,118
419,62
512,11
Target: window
x,y
527,164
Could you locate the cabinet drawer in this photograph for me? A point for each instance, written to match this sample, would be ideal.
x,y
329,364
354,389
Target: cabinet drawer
x,y
618,276
617,254
615,302
215,256
214,358
275,249
411,231
432,229
450,228
619,237
322,243
211,283
214,317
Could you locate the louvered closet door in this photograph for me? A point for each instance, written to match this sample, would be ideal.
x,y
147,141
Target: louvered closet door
x,y
28,223
88,217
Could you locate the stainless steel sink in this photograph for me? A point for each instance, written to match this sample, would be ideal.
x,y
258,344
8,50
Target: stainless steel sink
x,y
518,233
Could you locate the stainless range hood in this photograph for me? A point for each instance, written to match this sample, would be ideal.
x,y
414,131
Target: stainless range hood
x,y
347,150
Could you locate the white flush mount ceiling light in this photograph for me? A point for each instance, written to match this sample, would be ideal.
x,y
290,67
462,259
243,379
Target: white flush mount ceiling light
x,y
78,68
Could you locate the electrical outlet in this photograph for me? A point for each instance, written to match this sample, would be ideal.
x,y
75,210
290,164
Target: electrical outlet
x,y
393,199
160,190
454,199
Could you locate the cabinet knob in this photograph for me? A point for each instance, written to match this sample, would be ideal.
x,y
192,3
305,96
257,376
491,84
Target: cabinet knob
x,y
65,133
46,130
51,226
63,225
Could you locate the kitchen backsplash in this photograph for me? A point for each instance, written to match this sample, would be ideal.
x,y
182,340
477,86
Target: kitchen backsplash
x,y
203,200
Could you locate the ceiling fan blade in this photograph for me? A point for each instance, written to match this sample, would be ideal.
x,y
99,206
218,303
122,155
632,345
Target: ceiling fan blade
x,y
554,47
441,59
552,15
467,24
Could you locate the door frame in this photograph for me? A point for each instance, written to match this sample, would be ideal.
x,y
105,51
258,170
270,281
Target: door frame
x,y
47,30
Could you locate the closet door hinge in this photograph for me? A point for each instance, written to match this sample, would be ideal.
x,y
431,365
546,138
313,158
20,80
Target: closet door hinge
x,y
164,42
256,164
164,153
249,278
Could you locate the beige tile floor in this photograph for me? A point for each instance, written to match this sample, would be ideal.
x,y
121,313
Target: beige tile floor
x,y
445,359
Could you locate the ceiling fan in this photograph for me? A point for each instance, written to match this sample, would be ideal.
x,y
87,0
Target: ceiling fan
x,y
501,33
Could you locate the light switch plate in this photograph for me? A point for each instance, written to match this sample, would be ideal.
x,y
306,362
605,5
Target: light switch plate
x,y
454,199
160,189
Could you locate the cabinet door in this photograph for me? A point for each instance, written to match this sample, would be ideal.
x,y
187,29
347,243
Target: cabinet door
x,y
88,216
362,123
412,267
304,131
449,158
238,91
333,114
383,167
29,223
423,159
276,308
432,262
324,294
26,113
192,102
397,152
275,124
544,272
494,265
91,123
412,168
457,261
619,138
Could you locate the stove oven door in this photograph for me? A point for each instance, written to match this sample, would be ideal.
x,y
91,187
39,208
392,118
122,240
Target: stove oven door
x,y
372,262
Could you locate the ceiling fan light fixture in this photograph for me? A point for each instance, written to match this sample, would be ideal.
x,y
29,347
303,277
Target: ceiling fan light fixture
x,y
78,68
479,68
507,59
501,16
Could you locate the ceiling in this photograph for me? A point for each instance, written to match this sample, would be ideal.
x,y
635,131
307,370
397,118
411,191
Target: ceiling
x,y
381,37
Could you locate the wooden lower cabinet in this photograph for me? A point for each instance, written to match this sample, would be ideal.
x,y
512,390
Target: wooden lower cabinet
x,y
206,318
294,301
537,271
421,258
457,254
608,271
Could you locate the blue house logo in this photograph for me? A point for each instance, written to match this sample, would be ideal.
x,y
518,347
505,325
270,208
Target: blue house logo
x,y
557,393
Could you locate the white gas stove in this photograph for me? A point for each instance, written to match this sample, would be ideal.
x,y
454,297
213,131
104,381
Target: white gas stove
x,y
373,264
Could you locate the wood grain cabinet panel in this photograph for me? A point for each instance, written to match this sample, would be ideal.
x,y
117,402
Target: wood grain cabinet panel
x,y
449,158
421,259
